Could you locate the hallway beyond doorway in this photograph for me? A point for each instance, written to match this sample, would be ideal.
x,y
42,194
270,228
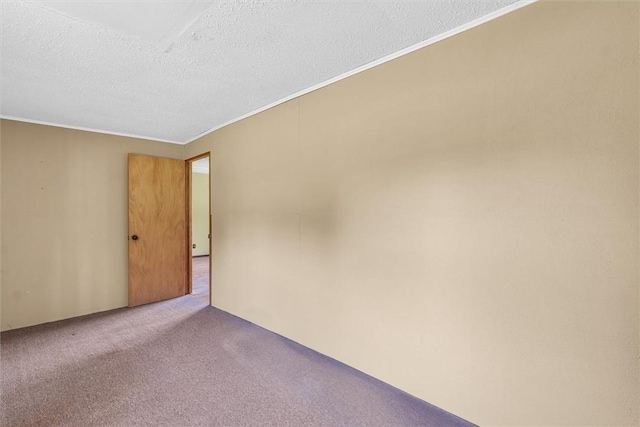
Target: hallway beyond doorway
x,y
200,269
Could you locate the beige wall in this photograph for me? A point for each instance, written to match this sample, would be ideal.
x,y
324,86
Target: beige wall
x,y
461,222
64,221
200,213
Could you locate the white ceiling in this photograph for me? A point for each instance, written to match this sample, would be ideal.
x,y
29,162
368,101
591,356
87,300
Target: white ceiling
x,y
200,166
172,71
159,23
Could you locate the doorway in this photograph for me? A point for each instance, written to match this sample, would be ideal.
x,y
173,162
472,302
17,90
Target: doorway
x,y
199,220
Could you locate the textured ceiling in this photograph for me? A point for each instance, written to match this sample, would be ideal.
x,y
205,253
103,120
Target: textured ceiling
x,y
217,62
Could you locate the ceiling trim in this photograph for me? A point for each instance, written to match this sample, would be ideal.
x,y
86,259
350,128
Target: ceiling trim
x,y
105,132
498,13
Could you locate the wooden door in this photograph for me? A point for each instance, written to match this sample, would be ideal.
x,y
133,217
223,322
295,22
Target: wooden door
x,y
157,229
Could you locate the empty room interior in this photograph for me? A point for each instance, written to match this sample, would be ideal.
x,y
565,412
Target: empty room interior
x,y
200,233
312,213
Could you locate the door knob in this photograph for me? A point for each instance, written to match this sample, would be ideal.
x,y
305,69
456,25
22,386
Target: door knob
x,y
134,237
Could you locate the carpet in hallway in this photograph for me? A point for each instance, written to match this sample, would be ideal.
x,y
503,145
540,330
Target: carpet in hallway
x,y
180,363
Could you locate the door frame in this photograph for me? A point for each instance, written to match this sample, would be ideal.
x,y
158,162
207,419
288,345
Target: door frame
x,y
188,170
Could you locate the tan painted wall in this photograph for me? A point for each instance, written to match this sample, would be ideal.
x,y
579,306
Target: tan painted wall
x,y
200,213
64,221
461,222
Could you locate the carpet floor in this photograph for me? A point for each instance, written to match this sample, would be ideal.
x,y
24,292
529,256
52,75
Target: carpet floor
x,y
181,363
200,278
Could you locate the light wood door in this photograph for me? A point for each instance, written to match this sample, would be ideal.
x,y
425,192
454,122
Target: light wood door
x,y
157,229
